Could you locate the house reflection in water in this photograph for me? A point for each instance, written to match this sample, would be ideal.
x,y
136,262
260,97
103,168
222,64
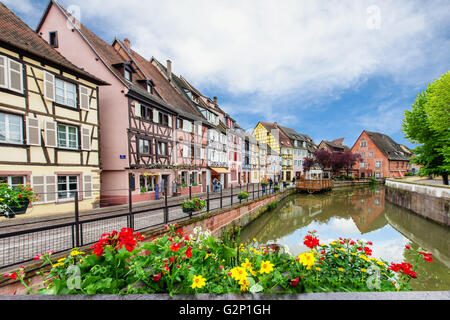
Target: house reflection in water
x,y
352,213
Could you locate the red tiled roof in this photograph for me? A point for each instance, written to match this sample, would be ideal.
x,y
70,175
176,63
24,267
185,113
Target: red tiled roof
x,y
18,34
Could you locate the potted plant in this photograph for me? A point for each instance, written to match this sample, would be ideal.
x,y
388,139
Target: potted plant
x,y
243,195
276,188
15,200
193,205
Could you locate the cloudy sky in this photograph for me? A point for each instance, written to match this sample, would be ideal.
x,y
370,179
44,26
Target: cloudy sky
x,y
329,69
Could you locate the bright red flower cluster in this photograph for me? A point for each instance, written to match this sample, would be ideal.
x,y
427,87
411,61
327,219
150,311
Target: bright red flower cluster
x,y
426,256
403,267
125,238
311,241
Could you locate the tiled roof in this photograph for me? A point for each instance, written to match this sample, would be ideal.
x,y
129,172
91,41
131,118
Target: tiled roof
x,y
17,33
391,149
168,93
283,138
336,146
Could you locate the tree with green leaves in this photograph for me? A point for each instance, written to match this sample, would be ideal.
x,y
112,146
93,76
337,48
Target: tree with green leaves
x,y
428,124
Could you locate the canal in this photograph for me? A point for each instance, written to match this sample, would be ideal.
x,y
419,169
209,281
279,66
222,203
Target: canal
x,y
358,213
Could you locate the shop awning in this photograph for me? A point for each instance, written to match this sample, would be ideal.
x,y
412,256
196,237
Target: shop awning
x,y
219,170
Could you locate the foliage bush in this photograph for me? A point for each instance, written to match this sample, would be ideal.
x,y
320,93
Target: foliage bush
x,y
180,264
243,195
193,205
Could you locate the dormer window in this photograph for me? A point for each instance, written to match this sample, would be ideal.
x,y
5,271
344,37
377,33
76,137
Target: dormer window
x,y
126,69
127,74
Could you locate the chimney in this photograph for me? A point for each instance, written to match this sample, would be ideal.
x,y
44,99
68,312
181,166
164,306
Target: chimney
x,y
215,101
127,43
169,69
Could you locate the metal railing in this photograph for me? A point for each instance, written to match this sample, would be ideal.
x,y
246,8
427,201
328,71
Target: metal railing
x,y
64,233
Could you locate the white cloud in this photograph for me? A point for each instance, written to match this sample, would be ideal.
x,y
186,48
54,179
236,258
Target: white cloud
x,y
22,6
274,50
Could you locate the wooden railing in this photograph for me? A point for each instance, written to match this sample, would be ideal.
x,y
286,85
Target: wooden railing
x,y
314,185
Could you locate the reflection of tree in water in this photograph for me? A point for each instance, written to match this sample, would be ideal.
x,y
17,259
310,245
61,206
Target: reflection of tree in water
x,y
299,211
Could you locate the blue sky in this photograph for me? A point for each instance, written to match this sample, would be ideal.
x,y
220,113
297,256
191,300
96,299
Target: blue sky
x,y
327,69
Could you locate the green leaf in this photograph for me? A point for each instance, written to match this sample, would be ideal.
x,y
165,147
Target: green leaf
x,y
256,288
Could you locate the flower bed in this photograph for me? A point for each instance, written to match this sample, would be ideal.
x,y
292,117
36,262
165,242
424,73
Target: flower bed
x,y
193,205
180,264
243,195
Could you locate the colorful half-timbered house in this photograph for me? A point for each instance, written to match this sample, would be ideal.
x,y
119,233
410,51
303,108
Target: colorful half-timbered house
x,y
49,121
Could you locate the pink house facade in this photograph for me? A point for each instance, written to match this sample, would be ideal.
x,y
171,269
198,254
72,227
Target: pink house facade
x,y
137,135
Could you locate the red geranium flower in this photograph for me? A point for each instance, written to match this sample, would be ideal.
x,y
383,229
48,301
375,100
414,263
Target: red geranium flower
x,y
189,252
311,241
157,277
294,282
175,246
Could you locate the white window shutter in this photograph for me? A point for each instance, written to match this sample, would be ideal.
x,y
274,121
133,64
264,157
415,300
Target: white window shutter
x,y
33,132
170,121
3,72
85,138
155,116
185,150
49,86
87,187
84,98
38,184
15,75
50,188
51,138
137,110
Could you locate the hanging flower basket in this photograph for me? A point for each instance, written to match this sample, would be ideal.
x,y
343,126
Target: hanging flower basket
x,y
193,205
15,200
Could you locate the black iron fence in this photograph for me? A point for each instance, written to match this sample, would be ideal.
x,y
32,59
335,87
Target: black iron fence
x,y
21,242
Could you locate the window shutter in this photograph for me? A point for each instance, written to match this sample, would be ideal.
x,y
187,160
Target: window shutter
x,y
50,188
155,115
3,72
85,138
33,132
84,98
15,76
137,110
38,185
169,121
50,134
49,86
185,151
202,153
87,187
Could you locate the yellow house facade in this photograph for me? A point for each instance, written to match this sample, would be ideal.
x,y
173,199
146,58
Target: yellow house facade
x,y
49,128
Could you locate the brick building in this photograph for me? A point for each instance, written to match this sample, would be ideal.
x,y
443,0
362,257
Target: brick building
x,y
382,156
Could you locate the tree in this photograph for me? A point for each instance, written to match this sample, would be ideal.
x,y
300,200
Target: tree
x,y
428,124
307,164
350,160
323,158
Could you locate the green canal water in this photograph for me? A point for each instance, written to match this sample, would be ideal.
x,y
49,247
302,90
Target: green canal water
x,y
359,213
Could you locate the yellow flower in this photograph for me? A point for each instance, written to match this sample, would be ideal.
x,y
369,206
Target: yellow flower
x,y
363,270
266,267
57,265
380,263
318,269
254,240
198,282
353,254
341,270
207,256
244,284
62,259
336,256
238,273
248,266
307,259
